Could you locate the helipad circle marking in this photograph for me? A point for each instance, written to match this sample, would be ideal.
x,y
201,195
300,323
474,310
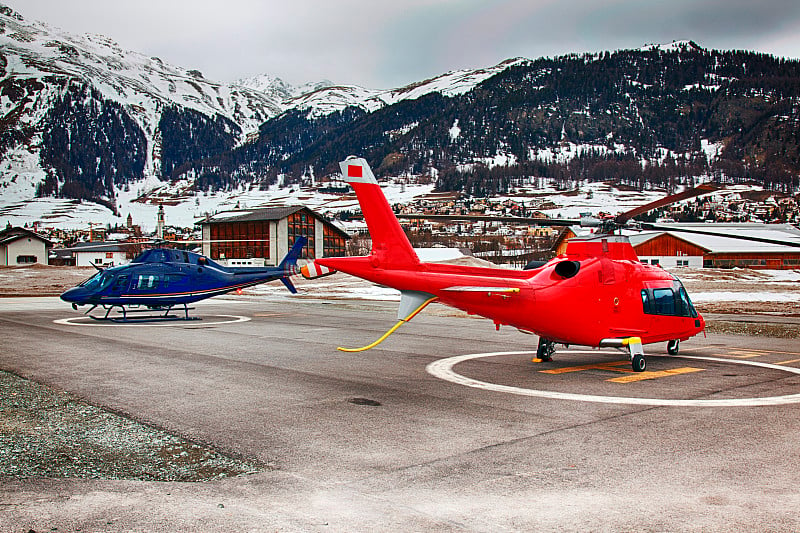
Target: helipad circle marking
x,y
90,322
443,369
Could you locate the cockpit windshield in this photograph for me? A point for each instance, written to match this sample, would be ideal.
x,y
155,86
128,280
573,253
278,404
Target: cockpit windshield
x,y
688,307
99,281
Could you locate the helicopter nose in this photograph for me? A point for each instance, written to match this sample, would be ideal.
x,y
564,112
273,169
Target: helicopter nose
x,y
73,295
700,323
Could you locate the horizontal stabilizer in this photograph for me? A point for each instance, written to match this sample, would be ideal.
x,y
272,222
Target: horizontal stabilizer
x,y
289,285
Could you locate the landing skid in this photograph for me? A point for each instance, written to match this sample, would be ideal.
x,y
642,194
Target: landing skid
x,y
154,314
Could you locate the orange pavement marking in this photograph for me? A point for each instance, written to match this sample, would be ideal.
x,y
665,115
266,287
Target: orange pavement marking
x,y
640,376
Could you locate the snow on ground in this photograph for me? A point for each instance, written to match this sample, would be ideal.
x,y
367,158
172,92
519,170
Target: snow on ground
x,y
729,296
18,206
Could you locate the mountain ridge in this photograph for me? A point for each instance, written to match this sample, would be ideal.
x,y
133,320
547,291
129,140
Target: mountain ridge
x,y
84,119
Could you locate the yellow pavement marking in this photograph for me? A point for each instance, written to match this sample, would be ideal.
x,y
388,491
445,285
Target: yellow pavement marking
x,y
790,361
785,353
640,376
630,376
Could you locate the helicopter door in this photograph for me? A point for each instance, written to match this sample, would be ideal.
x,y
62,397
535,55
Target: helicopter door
x,y
120,284
176,282
663,305
657,304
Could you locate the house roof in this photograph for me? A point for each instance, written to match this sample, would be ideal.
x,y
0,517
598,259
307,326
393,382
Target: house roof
x,y
724,241
266,213
10,235
252,215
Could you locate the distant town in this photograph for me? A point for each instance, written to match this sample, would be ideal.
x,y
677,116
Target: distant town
x,y
489,228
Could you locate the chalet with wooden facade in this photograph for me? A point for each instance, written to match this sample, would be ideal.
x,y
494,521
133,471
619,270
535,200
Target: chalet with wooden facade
x,y
259,237
675,248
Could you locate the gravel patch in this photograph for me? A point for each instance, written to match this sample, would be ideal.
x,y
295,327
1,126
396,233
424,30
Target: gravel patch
x,y
51,434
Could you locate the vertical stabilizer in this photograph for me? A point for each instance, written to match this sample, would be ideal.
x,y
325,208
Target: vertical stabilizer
x,y
390,246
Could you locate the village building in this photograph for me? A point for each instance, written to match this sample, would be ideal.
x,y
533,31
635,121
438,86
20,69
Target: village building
x,y
261,237
676,248
102,254
673,248
19,246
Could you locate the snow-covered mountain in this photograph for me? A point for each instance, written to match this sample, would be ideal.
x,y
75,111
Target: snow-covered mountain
x,y
161,115
329,99
279,90
35,50
41,66
85,120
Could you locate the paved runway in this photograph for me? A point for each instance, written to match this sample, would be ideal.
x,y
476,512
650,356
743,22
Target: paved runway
x,y
588,447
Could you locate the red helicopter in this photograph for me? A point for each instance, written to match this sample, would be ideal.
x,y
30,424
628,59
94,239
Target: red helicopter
x,y
596,294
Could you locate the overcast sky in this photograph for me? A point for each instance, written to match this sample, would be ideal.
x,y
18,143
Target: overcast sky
x,y
390,43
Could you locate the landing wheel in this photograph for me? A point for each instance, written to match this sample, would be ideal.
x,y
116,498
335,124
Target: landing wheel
x,y
673,346
545,350
638,363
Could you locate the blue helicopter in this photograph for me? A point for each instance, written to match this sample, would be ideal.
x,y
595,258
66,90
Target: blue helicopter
x,y
160,279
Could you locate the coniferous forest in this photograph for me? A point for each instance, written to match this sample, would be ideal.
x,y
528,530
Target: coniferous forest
x,y
636,116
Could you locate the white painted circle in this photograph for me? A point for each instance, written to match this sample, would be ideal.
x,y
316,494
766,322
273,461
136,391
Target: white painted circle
x,y
443,369
90,322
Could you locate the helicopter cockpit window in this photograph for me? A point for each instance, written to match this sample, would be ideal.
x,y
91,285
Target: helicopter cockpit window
x,y
121,283
99,281
688,308
664,302
668,302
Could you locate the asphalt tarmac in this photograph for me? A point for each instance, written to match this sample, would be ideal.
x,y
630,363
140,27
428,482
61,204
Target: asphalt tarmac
x,y
404,437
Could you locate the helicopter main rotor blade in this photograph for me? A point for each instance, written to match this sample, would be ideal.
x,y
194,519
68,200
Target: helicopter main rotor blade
x,y
704,188
492,218
660,227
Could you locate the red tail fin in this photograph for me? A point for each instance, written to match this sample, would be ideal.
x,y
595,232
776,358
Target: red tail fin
x,y
390,245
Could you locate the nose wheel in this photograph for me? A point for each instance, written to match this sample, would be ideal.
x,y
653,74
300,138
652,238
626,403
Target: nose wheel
x,y
634,345
673,346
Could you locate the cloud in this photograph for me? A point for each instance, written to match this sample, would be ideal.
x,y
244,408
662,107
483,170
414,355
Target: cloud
x,y
388,44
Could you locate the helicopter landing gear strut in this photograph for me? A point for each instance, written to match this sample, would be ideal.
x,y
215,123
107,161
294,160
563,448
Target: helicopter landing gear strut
x,y
545,350
634,345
